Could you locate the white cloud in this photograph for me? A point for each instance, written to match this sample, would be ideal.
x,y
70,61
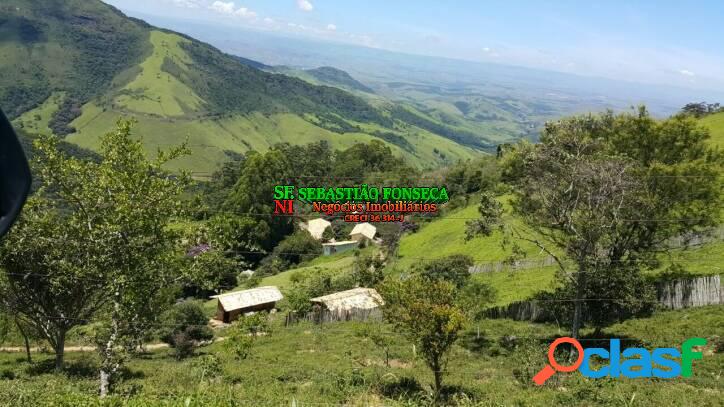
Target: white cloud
x,y
305,5
221,7
185,3
687,73
230,9
331,27
486,49
269,20
245,13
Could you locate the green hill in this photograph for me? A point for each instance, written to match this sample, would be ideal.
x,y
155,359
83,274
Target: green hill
x,y
446,236
73,67
715,123
338,77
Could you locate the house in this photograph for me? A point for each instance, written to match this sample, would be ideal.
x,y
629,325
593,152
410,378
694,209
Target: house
x,y
356,298
339,247
316,227
363,231
231,305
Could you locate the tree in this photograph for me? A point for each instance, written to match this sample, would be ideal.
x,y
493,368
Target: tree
x,y
183,326
50,280
244,332
241,238
427,313
327,235
209,271
454,269
701,109
353,163
367,270
611,296
254,190
490,211
114,217
605,192
299,247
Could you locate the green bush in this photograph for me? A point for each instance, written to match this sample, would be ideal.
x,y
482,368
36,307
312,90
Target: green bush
x,y
184,325
244,332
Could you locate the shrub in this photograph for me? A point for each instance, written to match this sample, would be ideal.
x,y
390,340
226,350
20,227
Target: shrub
x,y
206,367
184,325
182,345
299,247
244,332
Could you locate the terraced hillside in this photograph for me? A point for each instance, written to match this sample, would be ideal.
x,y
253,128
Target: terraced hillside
x,y
72,68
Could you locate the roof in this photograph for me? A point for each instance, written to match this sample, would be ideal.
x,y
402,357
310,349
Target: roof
x,y
361,298
364,229
316,227
249,298
342,243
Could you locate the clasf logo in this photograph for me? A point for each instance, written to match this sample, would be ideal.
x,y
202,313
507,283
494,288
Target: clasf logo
x,y
631,363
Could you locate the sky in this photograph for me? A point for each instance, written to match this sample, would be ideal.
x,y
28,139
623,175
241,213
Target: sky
x,y
674,43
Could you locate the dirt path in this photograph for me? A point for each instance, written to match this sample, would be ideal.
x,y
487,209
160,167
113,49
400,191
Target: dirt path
x,y
12,349
150,346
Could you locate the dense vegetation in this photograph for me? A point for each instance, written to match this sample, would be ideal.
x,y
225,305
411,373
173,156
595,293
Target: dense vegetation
x,y
117,253
432,301
77,47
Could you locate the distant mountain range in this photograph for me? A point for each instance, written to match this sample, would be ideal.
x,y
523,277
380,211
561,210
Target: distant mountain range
x,y
72,67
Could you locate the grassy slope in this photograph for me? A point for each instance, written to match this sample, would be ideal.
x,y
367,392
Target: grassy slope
x,y
158,92
715,123
164,108
175,87
446,236
333,364
36,121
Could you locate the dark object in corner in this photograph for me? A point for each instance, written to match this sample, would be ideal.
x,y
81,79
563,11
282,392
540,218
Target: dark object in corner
x,y
14,176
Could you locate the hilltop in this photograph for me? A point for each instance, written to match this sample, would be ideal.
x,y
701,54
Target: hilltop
x,y
71,68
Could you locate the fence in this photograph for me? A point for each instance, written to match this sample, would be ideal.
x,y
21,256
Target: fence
x,y
323,316
673,294
517,265
679,242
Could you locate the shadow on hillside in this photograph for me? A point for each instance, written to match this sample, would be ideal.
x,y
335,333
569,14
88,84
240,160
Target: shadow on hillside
x,y
403,387
83,368
475,343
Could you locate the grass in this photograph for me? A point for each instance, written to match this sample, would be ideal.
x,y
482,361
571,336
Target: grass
x,y
166,111
154,91
715,123
36,121
334,364
518,285
446,236
210,139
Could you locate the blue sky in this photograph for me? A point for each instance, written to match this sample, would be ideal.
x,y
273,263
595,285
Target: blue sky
x,y
664,42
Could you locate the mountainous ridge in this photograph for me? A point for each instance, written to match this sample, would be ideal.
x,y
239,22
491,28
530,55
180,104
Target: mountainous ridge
x,y
178,88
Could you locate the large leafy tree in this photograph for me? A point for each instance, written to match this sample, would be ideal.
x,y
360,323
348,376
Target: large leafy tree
x,y
99,246
603,193
254,190
51,280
